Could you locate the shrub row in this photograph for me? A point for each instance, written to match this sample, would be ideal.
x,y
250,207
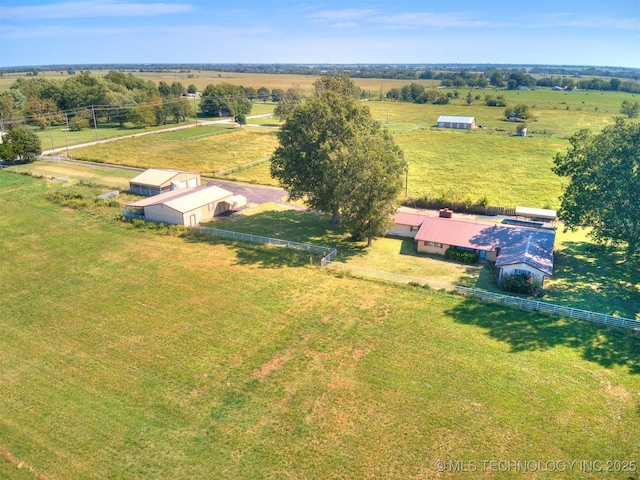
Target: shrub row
x,y
461,256
522,283
479,208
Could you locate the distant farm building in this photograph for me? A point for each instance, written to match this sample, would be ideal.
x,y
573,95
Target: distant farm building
x,y
463,123
537,214
188,206
513,249
155,181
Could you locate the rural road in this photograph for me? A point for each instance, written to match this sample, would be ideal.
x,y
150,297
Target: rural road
x,y
253,193
142,134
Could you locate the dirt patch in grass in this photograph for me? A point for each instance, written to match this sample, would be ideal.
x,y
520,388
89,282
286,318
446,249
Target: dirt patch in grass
x,y
272,365
19,464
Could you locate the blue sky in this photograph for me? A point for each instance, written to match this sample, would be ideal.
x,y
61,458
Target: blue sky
x,y
558,32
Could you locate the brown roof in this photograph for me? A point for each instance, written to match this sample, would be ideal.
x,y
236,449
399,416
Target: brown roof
x,y
459,233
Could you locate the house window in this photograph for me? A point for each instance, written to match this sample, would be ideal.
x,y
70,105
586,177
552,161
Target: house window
x,y
519,271
433,244
414,229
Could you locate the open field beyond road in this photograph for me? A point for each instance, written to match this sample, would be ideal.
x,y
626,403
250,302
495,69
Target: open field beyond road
x,y
455,165
129,354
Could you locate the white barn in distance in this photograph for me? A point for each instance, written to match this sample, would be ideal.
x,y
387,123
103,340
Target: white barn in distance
x,y
462,123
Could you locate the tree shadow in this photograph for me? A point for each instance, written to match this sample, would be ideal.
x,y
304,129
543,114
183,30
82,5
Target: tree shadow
x,y
293,225
524,331
594,277
477,275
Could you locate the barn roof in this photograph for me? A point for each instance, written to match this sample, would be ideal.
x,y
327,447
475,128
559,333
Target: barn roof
x,y
454,119
155,177
184,200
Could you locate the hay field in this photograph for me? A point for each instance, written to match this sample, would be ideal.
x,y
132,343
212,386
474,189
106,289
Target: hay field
x,y
138,355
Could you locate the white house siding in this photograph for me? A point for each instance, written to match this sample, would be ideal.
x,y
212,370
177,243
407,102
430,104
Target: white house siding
x,y
520,267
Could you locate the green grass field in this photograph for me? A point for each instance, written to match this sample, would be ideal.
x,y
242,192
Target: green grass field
x,y
454,165
205,150
128,354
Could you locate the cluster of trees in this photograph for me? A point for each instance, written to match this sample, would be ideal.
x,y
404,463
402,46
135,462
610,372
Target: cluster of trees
x,y
20,145
630,109
406,71
418,93
338,159
81,100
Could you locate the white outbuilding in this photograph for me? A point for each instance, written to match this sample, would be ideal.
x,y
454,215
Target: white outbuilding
x,y
188,206
464,123
155,181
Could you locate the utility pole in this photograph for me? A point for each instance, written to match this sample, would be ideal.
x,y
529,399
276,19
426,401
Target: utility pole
x,y
95,123
195,108
53,150
66,140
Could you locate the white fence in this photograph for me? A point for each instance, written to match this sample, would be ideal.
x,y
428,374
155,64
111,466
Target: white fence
x,y
496,298
514,302
550,308
327,253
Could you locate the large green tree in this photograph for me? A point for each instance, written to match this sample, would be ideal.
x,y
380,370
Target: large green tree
x,y
374,173
603,190
338,159
630,109
20,144
288,101
224,100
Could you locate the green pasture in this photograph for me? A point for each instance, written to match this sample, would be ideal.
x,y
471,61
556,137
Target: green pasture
x,y
76,172
58,138
205,150
130,354
454,165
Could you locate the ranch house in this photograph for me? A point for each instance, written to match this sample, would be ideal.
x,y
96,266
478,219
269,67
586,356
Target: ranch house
x,y
513,249
155,181
187,206
464,123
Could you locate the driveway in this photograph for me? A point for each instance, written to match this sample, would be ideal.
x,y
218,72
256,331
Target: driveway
x,y
253,193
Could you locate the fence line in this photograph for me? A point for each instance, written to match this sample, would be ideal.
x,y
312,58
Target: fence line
x,y
514,302
328,253
253,163
496,298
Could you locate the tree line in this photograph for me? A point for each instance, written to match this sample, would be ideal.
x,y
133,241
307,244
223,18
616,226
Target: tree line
x,y
82,101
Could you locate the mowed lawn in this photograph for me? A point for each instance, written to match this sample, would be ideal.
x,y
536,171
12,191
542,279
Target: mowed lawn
x,y
129,354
